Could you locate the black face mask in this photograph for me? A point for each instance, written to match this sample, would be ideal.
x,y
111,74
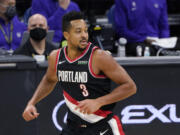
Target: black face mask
x,y
38,34
10,12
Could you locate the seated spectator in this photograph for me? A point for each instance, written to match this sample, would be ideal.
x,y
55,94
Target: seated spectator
x,y
53,10
136,20
11,29
37,46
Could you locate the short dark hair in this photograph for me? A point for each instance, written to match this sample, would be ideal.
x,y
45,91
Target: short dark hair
x,y
67,18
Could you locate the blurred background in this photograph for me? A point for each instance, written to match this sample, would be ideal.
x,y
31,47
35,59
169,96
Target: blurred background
x,y
156,103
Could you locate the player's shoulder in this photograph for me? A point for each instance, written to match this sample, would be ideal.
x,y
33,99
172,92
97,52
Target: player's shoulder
x,y
54,54
102,55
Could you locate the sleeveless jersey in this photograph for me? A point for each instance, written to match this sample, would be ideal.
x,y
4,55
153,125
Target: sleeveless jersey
x,y
79,82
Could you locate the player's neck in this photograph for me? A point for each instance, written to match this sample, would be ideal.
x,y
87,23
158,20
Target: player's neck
x,y
73,53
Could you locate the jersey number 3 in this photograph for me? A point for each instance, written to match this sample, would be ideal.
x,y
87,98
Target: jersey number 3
x,y
84,90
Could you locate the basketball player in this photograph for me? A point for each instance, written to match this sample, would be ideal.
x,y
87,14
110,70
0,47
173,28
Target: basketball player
x,y
84,72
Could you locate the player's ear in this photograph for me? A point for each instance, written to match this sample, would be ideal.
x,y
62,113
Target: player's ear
x,y
66,35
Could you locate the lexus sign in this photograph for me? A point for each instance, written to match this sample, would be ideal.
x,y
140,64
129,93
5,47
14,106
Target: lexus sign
x,y
132,114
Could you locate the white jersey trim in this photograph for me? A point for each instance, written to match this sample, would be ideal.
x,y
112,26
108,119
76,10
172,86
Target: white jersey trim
x,y
91,118
76,59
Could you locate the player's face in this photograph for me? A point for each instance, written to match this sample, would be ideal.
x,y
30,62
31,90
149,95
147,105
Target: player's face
x,y
78,34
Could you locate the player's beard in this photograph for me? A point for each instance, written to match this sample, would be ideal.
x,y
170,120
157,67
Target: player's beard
x,y
80,49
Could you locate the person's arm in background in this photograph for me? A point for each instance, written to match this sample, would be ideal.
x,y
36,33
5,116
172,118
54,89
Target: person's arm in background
x,y
54,20
121,22
163,22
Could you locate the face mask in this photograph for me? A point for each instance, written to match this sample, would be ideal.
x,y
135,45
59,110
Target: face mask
x,y
38,34
10,11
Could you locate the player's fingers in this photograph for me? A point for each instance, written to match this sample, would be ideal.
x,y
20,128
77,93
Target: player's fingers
x,y
80,105
88,111
32,115
28,116
81,110
25,117
35,113
84,110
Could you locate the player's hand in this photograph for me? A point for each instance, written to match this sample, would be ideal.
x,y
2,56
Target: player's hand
x,y
88,106
30,113
64,3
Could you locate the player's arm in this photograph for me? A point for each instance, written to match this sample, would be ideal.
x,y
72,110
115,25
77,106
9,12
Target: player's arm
x,y
106,63
46,85
103,61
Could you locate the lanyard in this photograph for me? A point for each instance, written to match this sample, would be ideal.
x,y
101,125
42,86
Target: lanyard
x,y
9,40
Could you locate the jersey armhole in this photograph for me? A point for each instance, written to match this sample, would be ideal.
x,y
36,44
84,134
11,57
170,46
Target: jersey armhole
x,y
90,66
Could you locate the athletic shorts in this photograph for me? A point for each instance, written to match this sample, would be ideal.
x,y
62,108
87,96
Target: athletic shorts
x,y
111,126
